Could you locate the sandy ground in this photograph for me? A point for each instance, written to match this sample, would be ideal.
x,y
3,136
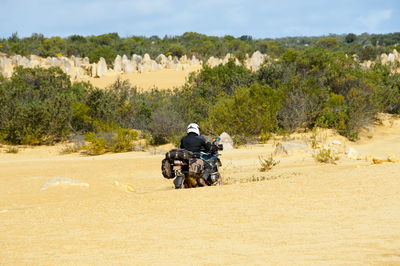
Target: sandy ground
x,y
302,212
162,79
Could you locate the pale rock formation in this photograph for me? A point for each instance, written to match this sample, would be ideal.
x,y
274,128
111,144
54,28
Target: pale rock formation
x,y
178,67
352,153
142,68
62,181
2,66
393,158
155,66
99,70
290,147
55,62
118,64
65,65
384,58
161,59
128,67
146,58
396,55
194,61
94,70
366,64
78,62
78,67
226,141
213,62
49,61
170,64
76,73
25,62
72,61
37,61
136,58
391,58
226,58
255,61
184,60
101,67
86,61
16,60
6,67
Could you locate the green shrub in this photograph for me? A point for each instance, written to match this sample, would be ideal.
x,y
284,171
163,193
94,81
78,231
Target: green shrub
x,y
124,140
96,145
166,125
36,106
116,140
248,112
102,51
327,42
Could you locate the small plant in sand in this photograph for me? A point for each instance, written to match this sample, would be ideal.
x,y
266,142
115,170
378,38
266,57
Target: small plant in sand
x,y
71,148
267,163
325,155
227,180
12,149
313,140
254,178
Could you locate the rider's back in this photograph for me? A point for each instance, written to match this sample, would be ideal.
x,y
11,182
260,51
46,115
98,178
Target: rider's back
x,y
193,142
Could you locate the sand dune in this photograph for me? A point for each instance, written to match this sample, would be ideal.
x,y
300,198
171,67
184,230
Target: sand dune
x,y
303,212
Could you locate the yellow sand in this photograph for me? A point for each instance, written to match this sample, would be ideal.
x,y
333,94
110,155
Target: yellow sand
x,y
162,79
303,212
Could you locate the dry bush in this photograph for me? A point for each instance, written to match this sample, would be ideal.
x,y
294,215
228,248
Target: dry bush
x,y
267,163
71,148
325,156
12,149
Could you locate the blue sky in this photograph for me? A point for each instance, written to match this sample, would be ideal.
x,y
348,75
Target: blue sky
x,y
260,19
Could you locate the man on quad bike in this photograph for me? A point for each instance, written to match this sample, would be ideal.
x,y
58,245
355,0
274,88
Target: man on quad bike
x,y
195,143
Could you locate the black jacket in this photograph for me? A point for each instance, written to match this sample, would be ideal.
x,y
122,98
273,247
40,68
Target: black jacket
x,y
193,142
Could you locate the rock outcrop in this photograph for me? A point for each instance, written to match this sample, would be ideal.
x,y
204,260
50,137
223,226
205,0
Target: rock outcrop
x,y
78,67
290,147
226,141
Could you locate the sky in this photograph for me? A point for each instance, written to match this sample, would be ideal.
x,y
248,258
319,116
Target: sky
x,y
257,18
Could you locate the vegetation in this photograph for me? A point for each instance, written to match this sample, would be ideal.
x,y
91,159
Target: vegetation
x,y
118,140
315,85
325,155
71,148
12,149
267,163
366,46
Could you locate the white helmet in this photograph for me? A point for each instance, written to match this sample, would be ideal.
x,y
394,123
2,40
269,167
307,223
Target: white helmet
x,y
193,127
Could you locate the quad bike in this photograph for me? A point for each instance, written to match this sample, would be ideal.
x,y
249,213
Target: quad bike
x,y
187,167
